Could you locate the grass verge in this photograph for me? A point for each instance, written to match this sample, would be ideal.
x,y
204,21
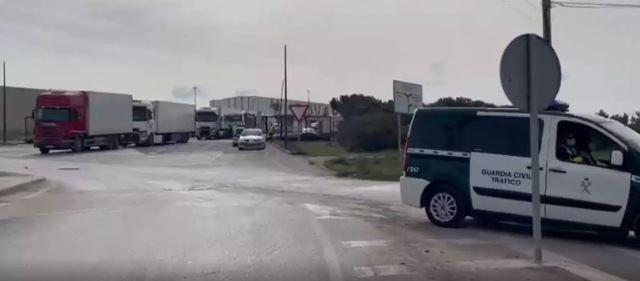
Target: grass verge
x,y
384,166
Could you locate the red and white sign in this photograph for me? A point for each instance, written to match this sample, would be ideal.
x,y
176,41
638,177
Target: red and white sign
x,y
299,111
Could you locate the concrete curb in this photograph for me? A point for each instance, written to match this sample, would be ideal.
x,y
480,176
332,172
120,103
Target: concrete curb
x,y
22,185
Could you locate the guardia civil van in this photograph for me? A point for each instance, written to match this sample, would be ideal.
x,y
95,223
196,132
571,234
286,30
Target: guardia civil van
x,y
461,162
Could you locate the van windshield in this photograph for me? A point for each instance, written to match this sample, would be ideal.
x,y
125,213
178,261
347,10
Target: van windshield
x,y
627,134
54,114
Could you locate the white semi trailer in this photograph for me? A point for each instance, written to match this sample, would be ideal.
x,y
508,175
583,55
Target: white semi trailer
x,y
159,122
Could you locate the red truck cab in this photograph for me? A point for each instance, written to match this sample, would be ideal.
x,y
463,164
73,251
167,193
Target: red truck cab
x,y
59,120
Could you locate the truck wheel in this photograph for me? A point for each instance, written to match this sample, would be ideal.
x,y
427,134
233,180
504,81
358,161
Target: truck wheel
x,y
444,207
150,140
77,145
115,143
44,150
198,137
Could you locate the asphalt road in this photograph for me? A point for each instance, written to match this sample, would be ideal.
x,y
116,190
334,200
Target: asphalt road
x,y
205,211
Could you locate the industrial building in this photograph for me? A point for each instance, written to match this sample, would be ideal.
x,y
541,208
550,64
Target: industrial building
x,y
20,103
271,111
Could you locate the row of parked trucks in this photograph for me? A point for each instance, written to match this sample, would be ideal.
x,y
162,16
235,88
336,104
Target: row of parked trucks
x,y
79,120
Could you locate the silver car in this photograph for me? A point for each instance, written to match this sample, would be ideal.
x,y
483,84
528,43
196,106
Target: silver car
x,y
251,139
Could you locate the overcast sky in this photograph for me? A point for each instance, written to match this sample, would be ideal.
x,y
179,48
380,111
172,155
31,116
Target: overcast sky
x,y
159,49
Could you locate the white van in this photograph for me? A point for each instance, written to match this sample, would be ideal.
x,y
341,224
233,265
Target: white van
x,y
475,162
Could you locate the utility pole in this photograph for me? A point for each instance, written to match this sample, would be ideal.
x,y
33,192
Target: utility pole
x,y
4,103
546,20
195,107
285,98
195,99
306,120
281,108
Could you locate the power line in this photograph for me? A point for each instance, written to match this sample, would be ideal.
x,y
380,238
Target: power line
x,y
593,5
531,4
519,11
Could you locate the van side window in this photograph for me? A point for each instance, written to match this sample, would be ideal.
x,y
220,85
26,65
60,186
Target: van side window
x,y
501,135
581,144
468,132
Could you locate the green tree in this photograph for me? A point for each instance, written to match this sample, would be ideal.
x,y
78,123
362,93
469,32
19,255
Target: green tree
x,y
359,104
368,123
624,118
460,102
603,113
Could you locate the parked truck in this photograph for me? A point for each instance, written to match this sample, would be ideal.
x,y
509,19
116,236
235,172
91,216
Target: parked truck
x,y
156,122
79,120
207,123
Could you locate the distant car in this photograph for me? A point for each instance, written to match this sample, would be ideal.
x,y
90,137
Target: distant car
x,y
236,135
251,139
309,130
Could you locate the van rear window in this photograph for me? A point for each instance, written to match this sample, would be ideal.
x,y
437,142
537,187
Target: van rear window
x,y
467,132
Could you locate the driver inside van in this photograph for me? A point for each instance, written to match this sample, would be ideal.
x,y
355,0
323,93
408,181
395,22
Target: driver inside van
x,y
568,150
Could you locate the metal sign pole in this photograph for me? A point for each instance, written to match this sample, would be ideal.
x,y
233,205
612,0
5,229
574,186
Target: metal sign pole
x,y
4,104
399,133
535,169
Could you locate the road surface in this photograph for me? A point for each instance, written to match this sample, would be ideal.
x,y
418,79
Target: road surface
x,y
205,211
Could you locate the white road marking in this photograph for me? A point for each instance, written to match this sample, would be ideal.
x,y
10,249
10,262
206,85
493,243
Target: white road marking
x,y
333,218
460,241
325,212
321,210
360,244
493,264
329,254
380,270
4,204
391,269
34,194
363,272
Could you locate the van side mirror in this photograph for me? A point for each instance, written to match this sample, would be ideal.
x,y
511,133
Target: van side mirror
x,y
616,158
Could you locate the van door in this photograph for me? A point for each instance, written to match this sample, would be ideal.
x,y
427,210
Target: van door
x,y
582,185
500,176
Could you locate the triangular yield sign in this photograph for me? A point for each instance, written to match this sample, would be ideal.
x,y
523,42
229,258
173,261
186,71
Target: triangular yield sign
x,y
299,110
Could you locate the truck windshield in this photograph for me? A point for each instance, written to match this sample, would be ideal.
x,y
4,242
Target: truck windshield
x,y
627,134
206,117
139,113
232,118
54,114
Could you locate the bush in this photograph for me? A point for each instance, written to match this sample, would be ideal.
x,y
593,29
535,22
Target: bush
x,y
372,131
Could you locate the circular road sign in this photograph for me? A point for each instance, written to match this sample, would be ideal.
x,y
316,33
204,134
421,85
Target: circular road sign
x,y
530,66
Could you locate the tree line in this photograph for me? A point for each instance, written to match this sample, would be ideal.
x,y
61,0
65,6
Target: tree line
x,y
632,121
369,124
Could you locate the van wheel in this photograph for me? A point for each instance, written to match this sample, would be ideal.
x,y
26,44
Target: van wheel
x,y
445,207
44,150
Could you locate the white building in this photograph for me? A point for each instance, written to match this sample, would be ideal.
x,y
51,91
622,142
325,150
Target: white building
x,y
272,111
266,106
